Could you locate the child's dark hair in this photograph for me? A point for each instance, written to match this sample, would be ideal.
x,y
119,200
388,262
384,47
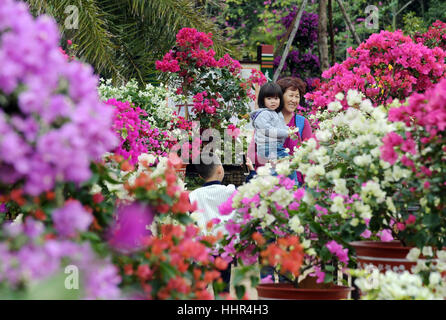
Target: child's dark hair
x,y
270,89
205,169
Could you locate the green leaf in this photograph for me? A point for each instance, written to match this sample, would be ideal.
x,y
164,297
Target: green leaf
x,y
420,239
107,177
184,219
91,236
330,268
325,254
254,280
219,287
166,199
168,272
240,291
328,278
315,227
431,220
124,133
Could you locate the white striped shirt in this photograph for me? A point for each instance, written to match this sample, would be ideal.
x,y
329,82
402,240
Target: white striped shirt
x,y
208,199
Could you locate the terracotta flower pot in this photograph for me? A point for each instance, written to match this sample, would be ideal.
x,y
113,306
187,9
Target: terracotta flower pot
x,y
182,171
384,255
285,291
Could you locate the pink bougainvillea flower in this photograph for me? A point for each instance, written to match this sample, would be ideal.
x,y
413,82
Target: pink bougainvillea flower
x,y
131,227
411,219
366,234
319,274
226,207
385,235
299,194
338,250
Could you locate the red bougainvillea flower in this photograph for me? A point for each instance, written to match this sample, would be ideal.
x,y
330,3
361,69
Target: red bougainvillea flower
x,y
287,252
434,37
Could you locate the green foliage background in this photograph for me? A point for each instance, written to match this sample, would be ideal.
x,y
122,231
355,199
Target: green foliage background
x,y
122,39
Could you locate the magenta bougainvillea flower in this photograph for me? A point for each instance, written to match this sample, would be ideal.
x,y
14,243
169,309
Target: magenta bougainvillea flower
x,y
386,66
136,135
131,227
216,86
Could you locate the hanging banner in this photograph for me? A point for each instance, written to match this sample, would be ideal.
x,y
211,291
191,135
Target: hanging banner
x,y
267,58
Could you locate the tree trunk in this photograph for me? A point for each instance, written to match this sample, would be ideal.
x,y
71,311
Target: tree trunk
x,y
422,8
290,40
331,31
322,35
350,26
284,39
398,12
394,9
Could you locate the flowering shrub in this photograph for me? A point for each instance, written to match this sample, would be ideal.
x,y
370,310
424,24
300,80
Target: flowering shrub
x,y
434,37
426,282
175,265
52,123
217,89
422,150
136,135
274,222
306,36
29,257
386,66
345,173
170,259
153,100
163,186
54,131
301,62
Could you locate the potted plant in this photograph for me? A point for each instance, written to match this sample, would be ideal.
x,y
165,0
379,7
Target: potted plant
x,y
152,99
274,225
346,159
216,87
386,66
426,282
55,167
421,147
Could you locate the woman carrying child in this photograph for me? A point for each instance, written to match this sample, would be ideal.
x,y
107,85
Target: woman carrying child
x,y
269,124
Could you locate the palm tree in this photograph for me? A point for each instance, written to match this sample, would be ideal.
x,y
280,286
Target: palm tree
x,y
122,39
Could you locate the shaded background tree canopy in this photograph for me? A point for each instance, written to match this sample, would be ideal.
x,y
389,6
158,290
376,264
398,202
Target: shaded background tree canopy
x,y
122,39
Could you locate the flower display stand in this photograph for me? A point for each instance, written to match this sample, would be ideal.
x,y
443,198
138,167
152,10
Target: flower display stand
x,y
308,290
182,171
383,255
234,174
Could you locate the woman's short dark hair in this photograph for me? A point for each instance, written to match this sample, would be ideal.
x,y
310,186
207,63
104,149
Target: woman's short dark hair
x,y
293,83
270,89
